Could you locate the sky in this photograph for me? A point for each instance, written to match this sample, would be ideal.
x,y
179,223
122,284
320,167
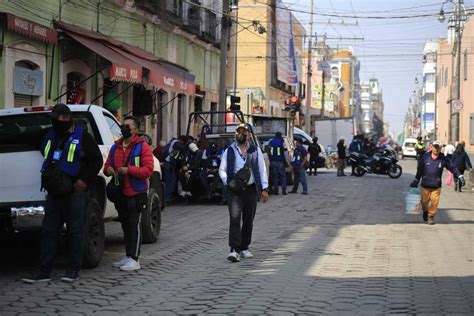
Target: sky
x,y
392,49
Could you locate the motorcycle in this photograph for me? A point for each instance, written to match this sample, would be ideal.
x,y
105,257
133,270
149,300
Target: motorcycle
x,y
382,162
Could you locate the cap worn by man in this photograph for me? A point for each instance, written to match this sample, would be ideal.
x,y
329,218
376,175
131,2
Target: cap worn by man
x,y
60,109
437,143
242,125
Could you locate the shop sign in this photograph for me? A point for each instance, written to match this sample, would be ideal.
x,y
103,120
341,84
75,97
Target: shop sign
x,y
31,29
28,82
124,73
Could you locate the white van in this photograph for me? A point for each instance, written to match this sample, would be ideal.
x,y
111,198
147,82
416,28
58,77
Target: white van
x,y
408,148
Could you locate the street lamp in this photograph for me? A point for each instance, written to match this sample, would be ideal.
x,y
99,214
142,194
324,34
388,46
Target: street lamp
x,y
458,16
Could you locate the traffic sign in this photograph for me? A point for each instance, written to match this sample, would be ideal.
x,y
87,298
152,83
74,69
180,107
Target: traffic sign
x,y
457,105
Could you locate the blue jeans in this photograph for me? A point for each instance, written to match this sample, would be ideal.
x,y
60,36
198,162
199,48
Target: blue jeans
x,y
278,172
300,176
71,210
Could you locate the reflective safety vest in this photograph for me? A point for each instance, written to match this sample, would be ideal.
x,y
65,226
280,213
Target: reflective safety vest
x,y
67,156
276,149
298,157
138,185
419,146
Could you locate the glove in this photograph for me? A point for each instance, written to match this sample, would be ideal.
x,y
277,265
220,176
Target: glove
x,y
462,182
414,183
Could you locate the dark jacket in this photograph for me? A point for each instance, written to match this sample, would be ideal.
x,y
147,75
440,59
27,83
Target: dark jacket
x,y
461,160
341,150
431,171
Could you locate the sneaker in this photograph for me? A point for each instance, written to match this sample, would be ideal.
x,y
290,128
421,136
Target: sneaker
x,y
70,276
121,262
233,256
284,193
246,254
37,278
131,265
431,220
425,216
304,193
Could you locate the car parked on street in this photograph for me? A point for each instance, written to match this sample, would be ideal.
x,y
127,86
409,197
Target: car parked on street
x,y
408,148
22,203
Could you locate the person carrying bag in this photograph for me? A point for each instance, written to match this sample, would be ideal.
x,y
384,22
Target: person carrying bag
x,y
129,188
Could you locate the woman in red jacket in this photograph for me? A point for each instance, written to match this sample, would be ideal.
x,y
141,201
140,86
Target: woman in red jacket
x,y
131,159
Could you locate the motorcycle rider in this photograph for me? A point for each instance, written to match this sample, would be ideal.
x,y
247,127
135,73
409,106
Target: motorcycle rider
x,y
430,172
314,150
72,161
420,148
278,156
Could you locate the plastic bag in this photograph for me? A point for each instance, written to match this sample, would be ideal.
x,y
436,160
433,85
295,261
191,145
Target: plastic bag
x,y
449,179
413,201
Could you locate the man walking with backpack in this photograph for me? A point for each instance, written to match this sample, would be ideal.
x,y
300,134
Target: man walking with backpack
x,y
243,171
130,160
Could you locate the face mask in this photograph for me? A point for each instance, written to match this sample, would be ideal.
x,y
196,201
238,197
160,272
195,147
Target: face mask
x,y
241,138
61,127
126,131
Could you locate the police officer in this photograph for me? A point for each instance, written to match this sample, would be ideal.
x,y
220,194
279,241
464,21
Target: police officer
x,y
243,170
131,158
419,147
278,154
72,161
355,147
300,157
314,150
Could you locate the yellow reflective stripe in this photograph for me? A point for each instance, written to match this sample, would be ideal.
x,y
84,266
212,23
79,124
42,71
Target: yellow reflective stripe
x,y
137,161
70,154
271,151
46,149
278,151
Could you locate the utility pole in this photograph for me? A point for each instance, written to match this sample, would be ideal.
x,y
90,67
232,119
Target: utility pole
x,y
234,81
225,26
322,95
309,73
458,68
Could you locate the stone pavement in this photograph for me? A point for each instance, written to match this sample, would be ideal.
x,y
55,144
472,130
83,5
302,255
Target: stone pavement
x,y
345,249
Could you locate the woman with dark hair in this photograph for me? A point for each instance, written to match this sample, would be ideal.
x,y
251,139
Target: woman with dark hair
x,y
462,162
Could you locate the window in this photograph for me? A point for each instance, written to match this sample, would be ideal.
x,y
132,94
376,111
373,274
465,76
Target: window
x,y
114,127
445,77
465,65
429,77
26,96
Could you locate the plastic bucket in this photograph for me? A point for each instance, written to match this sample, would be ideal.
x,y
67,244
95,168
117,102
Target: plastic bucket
x,y
413,202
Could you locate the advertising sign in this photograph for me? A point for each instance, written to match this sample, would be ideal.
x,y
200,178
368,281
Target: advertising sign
x,y
285,49
28,82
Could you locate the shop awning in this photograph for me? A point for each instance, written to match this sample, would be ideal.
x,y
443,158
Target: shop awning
x,y
123,69
30,28
160,75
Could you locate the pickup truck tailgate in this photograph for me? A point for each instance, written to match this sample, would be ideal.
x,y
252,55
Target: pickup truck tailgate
x,y
20,177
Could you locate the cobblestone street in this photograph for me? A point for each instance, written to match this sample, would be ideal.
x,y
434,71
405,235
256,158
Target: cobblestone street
x,y
346,248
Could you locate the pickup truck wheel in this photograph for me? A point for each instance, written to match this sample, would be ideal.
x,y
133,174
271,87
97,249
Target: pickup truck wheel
x,y
94,236
151,218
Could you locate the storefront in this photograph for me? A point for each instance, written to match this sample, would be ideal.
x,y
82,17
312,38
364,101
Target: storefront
x,y
128,80
25,61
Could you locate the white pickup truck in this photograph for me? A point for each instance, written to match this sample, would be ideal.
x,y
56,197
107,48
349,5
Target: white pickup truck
x,y
21,200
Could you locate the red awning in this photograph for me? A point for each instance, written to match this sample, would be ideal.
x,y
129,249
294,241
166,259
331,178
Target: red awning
x,y
31,29
126,59
123,69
